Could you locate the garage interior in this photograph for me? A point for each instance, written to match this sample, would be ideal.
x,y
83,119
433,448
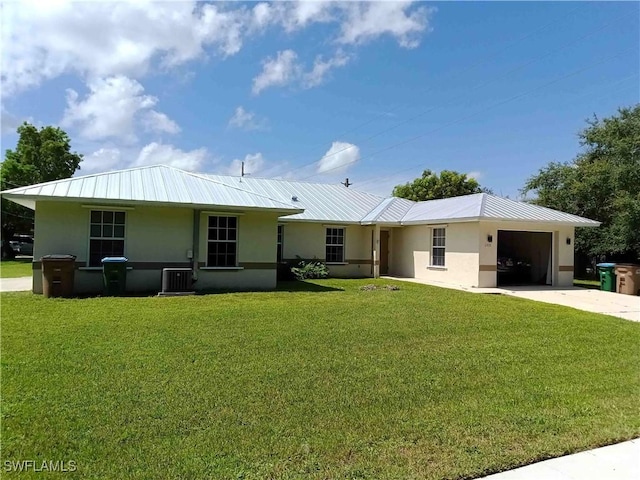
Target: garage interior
x,y
524,258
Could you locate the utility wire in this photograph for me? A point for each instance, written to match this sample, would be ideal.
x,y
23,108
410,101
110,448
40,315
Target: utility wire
x,y
476,87
630,77
455,122
449,77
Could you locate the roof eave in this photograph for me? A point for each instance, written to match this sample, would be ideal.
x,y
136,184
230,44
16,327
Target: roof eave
x,y
29,201
564,223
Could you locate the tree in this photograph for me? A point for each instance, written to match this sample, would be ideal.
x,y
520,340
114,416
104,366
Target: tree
x,y
430,186
40,156
601,183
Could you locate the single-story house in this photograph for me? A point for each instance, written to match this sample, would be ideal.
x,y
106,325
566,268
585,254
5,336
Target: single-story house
x,y
233,231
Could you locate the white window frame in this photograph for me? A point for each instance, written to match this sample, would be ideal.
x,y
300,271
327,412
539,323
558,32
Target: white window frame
x,y
438,233
342,245
226,241
101,237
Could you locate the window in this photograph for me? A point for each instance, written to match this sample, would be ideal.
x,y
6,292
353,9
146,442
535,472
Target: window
x,y
106,236
222,242
280,236
335,245
438,247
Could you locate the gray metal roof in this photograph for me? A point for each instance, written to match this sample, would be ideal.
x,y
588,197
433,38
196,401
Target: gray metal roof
x,y
391,210
155,184
321,202
483,206
299,201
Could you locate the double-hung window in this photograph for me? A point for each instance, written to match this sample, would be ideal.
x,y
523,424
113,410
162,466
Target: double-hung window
x,y
280,238
438,245
222,242
106,235
335,245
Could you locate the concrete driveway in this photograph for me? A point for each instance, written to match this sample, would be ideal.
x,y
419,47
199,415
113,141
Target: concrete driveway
x,y
616,304
20,284
589,300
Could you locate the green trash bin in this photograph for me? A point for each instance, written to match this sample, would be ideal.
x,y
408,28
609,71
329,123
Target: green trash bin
x,y
607,277
114,274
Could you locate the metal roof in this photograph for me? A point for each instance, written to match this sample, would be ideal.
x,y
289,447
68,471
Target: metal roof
x,y
483,206
298,201
321,202
155,184
391,210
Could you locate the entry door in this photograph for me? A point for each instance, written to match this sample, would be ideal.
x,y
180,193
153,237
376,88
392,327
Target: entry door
x,y
384,252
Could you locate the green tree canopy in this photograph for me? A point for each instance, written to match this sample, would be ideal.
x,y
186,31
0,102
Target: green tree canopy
x,y
601,183
431,186
40,156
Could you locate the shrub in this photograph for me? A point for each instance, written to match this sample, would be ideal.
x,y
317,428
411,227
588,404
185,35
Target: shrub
x,y
310,269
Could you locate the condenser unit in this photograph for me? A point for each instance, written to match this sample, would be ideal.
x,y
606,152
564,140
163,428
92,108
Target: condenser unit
x,y
177,281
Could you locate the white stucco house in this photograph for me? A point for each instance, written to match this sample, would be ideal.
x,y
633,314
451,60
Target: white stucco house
x,y
233,231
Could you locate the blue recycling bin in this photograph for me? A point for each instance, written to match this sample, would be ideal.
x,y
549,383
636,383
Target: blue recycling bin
x,y
114,275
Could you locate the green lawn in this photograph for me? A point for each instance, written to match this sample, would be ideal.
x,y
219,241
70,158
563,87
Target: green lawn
x,y
15,268
586,283
334,382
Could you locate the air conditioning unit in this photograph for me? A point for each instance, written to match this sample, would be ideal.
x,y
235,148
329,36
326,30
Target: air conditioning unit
x,y
177,281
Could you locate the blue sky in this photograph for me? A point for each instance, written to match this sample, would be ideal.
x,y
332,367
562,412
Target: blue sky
x,y
320,91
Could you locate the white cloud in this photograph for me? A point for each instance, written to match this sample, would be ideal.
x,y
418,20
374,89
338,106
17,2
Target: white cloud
x,y
246,120
253,164
286,70
159,122
102,160
278,71
339,157
110,109
369,20
475,175
9,122
297,15
157,153
43,40
321,68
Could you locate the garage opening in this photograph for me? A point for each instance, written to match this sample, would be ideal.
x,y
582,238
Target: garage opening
x,y
524,258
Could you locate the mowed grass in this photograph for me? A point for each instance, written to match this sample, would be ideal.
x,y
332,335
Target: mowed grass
x,y
16,268
584,283
333,382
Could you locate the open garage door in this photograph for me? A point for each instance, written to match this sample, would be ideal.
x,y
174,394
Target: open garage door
x,y
524,258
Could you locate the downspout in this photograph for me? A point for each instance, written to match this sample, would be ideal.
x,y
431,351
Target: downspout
x,y
195,251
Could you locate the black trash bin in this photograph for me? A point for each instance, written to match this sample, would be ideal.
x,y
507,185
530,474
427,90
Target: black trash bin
x,y
58,272
114,274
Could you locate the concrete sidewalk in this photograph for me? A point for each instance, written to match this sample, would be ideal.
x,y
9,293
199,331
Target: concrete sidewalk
x,y
615,462
20,284
589,300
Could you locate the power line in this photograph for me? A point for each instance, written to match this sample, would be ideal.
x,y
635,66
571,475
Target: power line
x,y
484,84
377,177
412,139
454,74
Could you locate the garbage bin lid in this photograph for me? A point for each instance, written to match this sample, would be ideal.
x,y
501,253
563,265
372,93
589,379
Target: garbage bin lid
x,y
58,257
115,259
606,265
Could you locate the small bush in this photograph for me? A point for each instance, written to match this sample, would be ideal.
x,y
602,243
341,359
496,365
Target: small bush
x,y
310,269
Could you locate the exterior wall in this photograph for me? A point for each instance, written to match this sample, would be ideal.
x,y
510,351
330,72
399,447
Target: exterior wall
x,y
562,254
257,237
412,253
307,240
155,237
